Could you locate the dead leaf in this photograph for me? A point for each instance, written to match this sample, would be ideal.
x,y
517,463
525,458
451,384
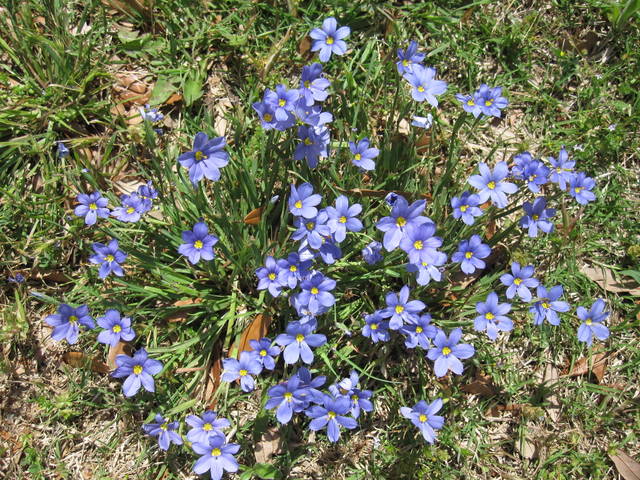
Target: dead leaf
x,y
173,98
79,360
212,379
596,364
256,330
182,314
550,377
481,385
270,444
627,467
526,447
254,216
122,348
604,278
304,46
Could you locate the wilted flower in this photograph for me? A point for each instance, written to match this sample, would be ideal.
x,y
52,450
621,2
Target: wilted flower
x,y
109,257
92,206
164,430
423,416
206,158
243,369
427,271
592,322
447,352
312,146
150,114
139,371
66,323
116,329
492,318
329,39
348,387
198,243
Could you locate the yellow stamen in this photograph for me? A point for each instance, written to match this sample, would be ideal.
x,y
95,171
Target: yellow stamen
x,y
471,103
207,427
93,206
535,217
73,319
468,255
489,316
330,40
308,141
517,281
401,221
446,351
342,219
307,84
545,305
399,309
405,63
463,208
491,185
216,452
137,369
310,225
272,276
373,326
267,117
314,290
298,204
421,89
588,321
357,156
299,337
288,396
331,414
263,353
422,418
243,372
578,189
293,268
418,245
282,102
116,329
198,244
489,102
419,330
199,155
130,210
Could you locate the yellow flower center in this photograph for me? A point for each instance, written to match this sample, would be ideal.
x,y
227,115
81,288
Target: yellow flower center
x,y
399,309
588,321
357,156
422,418
489,102
425,264
207,427
310,225
307,141
216,452
298,204
532,177
267,117
331,414
545,305
116,329
272,276
517,281
401,221
578,189
299,337
446,351
491,185
282,102
535,217
405,63
164,426
373,326
199,155
471,103
288,396
417,244
419,330
342,219
421,89
263,353
243,373
293,268
137,369
463,208
73,319
93,206
130,210
468,255
198,244
307,84
314,290
330,40
489,316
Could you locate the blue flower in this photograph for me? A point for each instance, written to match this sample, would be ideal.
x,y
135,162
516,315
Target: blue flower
x,y
562,171
264,352
243,369
331,415
390,198
314,117
164,430
492,184
217,457
425,87
371,253
470,252
198,244
421,245
403,216
492,318
139,371
548,305
312,146
427,271
376,328
62,151
342,218
423,416
447,352
268,117
408,58
469,104
207,426
147,194
271,277
313,86
282,101
109,257
66,323
419,331
313,230
150,114
329,39
293,269
297,342
289,398
363,155
537,216
131,208
400,309
519,281
491,100
592,322
422,122
116,329
466,206
535,173
92,207
302,201
206,158
348,387
580,188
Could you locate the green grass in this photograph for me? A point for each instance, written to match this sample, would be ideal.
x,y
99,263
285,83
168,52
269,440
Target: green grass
x,y
564,89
